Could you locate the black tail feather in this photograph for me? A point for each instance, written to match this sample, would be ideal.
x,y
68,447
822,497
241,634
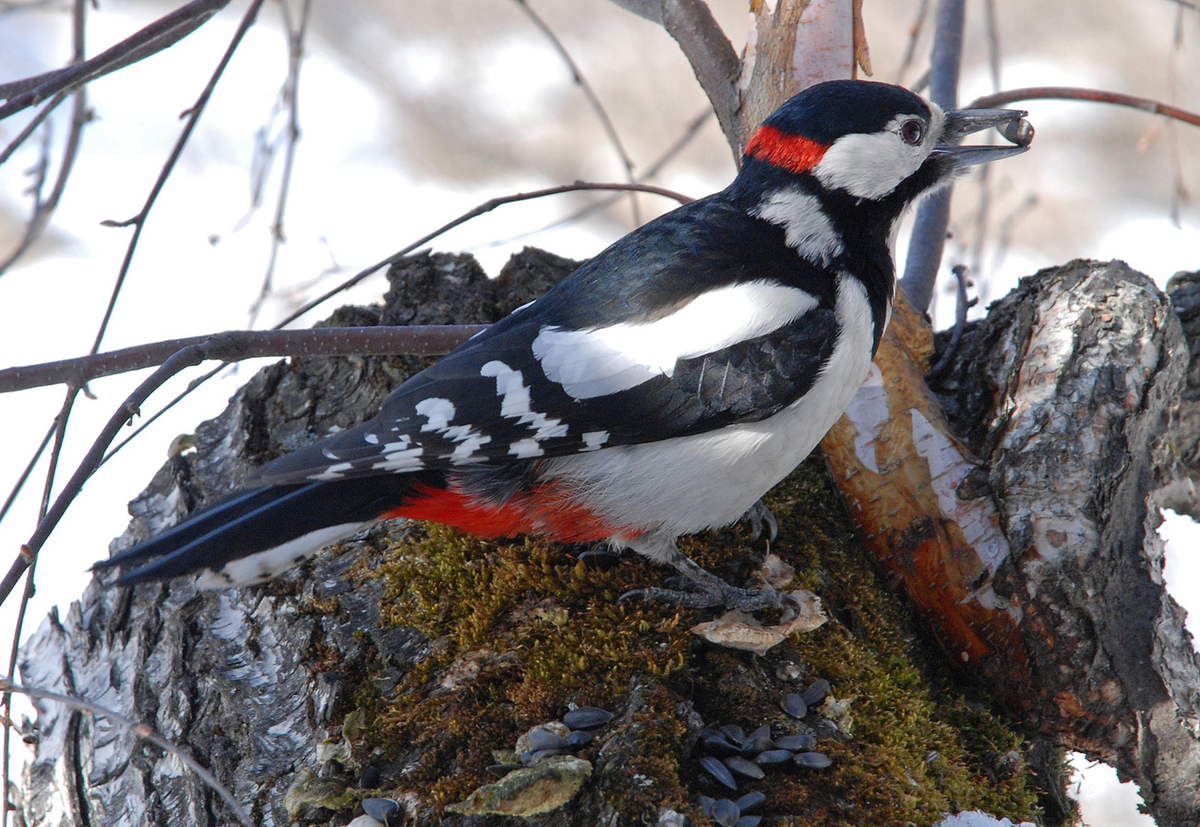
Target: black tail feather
x,y
255,521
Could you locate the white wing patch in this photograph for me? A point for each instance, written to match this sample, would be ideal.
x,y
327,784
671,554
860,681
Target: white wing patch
x,y
515,403
600,361
438,411
807,228
594,440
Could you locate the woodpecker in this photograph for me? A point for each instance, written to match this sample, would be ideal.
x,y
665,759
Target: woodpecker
x,y
660,389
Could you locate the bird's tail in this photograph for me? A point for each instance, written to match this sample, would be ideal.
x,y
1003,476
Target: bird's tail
x,y
257,533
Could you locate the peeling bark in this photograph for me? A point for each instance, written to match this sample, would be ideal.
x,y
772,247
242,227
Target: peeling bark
x,y
1066,391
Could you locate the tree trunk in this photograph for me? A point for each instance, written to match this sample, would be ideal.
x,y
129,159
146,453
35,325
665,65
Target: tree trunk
x,y
400,661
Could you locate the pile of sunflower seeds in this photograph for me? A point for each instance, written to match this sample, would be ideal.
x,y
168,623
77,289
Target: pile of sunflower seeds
x,y
728,753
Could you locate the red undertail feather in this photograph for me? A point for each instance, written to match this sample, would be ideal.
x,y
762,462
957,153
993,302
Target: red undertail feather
x,y
539,511
794,153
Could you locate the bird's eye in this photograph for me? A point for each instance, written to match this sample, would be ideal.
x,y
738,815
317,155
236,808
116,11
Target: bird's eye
x,y
912,132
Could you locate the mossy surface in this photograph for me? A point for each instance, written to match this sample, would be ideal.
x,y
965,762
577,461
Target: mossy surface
x,y
521,630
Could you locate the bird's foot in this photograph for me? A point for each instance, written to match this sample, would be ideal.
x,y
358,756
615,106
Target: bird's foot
x,y
758,516
730,597
704,590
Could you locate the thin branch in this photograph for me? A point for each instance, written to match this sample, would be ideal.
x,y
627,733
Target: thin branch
x,y
713,60
290,96
139,221
707,49
159,35
60,434
1029,93
1180,194
485,207
914,36
184,358
236,345
142,731
961,306
689,133
593,99
44,208
933,216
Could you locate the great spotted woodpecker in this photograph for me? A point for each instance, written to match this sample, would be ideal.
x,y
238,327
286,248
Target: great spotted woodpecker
x,y
660,389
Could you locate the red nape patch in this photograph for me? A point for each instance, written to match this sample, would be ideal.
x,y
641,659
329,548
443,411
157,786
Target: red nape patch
x,y
537,512
795,153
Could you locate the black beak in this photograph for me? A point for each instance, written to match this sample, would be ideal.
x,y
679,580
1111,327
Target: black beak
x,y
958,124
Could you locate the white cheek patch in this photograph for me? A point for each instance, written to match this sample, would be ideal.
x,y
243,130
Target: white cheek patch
x,y
601,361
871,166
808,229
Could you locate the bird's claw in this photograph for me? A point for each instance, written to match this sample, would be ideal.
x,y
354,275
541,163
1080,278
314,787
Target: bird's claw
x,y
757,516
707,597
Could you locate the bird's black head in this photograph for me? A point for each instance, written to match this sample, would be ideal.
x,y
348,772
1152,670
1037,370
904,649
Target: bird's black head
x,y
872,141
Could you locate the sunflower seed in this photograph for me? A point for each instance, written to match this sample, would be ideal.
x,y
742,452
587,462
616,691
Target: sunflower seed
x,y
812,760
719,771
743,767
773,756
725,813
587,717
794,705
815,694
796,743
750,800
380,809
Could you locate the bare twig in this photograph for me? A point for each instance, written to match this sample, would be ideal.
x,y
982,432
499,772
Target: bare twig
x,y
142,731
992,27
184,358
60,433
235,345
30,127
43,208
708,50
689,133
933,216
961,306
162,33
1029,93
1179,194
290,98
914,36
593,99
485,207
139,221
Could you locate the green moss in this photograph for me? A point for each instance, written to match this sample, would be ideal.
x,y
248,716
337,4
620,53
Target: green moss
x,y
520,631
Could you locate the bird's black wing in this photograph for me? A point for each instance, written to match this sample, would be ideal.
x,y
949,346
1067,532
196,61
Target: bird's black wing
x,y
592,364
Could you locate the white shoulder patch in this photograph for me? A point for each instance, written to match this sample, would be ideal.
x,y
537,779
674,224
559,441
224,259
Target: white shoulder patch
x,y
599,361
